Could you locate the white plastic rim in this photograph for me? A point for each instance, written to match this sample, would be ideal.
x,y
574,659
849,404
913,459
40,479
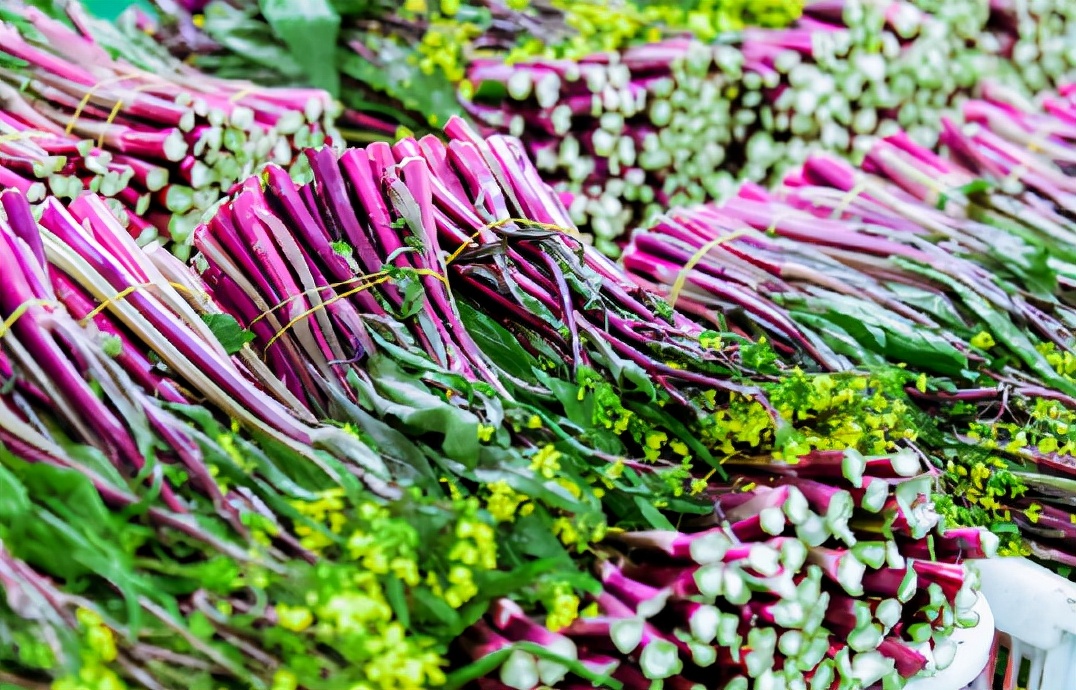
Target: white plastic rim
x,y
1036,610
974,648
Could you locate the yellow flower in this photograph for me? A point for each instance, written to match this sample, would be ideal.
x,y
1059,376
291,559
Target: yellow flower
x,y
562,608
99,636
565,530
295,619
982,340
284,679
503,501
546,461
1048,445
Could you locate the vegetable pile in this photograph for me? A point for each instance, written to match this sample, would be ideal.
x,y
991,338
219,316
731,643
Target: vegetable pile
x,y
163,141
398,64
441,421
958,268
628,134
276,414
163,499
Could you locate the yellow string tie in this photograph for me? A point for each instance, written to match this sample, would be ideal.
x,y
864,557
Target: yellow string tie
x,y
26,306
505,221
25,134
354,279
681,277
381,277
242,93
848,198
104,82
124,293
463,247
1034,145
349,281
531,223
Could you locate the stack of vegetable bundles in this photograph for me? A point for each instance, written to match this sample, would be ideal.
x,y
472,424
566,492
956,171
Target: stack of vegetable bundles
x,y
958,269
164,142
627,134
278,415
399,64
295,468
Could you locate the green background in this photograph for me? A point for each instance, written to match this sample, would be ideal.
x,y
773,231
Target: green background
x,y
110,9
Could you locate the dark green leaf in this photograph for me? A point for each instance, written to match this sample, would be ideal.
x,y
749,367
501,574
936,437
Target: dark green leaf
x,y
309,29
228,331
496,343
653,515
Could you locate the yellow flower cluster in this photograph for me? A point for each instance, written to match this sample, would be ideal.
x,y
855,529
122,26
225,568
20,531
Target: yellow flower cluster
x,y
828,412
1063,363
973,484
504,502
98,650
605,26
562,606
326,511
546,462
353,611
392,658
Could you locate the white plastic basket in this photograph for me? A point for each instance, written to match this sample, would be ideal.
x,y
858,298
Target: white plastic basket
x,y
971,667
1035,615
1032,615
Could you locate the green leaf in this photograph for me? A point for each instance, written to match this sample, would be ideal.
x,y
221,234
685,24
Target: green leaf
x,y
397,598
252,51
228,331
624,371
16,503
532,536
496,342
1004,528
398,396
309,28
893,336
653,515
1000,326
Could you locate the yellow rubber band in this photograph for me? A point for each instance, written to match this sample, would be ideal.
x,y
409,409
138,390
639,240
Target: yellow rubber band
x,y
104,82
269,312
681,277
25,134
848,198
470,241
381,277
1034,144
123,294
9,322
323,305
505,221
111,117
242,93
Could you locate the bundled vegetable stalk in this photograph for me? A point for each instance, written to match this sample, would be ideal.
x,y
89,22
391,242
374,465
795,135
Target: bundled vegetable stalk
x,y
376,253
957,267
815,577
624,135
439,274
172,517
399,64
162,140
